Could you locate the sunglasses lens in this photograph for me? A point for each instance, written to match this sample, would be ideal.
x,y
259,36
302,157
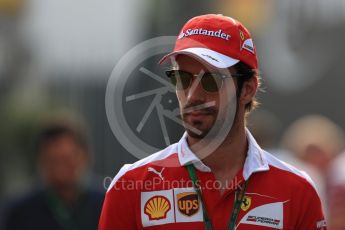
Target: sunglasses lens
x,y
180,79
211,82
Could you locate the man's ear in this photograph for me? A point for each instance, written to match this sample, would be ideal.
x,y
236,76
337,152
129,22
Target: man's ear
x,y
248,91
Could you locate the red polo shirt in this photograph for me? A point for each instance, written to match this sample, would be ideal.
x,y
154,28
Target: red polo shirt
x,y
157,193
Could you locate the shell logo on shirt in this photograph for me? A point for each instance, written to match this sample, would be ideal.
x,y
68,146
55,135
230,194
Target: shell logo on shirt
x,y
188,203
157,207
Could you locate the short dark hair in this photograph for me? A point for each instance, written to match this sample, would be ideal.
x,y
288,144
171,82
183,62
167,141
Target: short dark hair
x,y
54,130
246,73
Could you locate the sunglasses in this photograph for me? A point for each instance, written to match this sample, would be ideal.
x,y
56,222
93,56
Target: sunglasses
x,y
210,82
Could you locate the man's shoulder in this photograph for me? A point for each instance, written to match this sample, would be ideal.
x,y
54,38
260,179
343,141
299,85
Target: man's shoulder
x,y
28,204
167,157
27,200
288,173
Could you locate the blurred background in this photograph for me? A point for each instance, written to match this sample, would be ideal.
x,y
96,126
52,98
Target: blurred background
x,y
56,57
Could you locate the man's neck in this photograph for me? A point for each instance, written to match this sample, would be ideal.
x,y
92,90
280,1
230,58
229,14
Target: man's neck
x,y
228,158
230,155
69,194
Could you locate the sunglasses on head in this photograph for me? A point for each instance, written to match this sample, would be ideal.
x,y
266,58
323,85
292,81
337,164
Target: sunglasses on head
x,y
210,82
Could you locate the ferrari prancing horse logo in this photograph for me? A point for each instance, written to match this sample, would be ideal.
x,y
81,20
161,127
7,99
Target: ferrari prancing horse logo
x,y
247,201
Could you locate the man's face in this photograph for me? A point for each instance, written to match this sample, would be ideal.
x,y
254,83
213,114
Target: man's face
x,y
209,112
63,161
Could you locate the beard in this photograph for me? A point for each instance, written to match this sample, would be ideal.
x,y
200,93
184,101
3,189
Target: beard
x,y
199,127
212,123
197,135
209,132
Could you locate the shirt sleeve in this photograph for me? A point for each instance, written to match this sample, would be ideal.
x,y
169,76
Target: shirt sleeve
x,y
118,210
311,215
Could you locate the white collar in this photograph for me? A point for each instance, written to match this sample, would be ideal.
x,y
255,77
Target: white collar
x,y
255,160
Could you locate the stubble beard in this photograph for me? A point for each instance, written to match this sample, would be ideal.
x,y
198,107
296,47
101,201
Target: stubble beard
x,y
209,128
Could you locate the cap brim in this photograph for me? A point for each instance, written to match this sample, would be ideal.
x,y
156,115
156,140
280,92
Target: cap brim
x,y
211,57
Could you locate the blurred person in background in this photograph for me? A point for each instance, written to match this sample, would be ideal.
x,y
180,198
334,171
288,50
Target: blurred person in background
x,y
336,195
64,202
315,141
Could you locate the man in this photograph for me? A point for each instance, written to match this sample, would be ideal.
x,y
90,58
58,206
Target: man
x,y
63,202
194,185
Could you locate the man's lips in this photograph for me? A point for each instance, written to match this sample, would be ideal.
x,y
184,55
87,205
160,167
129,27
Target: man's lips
x,y
197,114
199,110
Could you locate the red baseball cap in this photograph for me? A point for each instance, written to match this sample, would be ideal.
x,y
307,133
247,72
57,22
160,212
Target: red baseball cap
x,y
219,40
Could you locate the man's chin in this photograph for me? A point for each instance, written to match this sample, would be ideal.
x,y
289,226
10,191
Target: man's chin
x,y
196,135
201,131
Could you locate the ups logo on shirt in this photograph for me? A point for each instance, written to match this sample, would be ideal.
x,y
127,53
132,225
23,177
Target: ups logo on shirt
x,y
188,203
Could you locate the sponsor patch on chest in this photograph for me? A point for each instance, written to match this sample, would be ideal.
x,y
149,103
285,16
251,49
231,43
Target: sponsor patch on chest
x,y
170,206
268,215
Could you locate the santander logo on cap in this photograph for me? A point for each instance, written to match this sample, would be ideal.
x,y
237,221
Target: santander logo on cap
x,y
219,40
201,31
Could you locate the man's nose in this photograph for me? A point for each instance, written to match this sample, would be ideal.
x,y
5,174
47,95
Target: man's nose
x,y
195,92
